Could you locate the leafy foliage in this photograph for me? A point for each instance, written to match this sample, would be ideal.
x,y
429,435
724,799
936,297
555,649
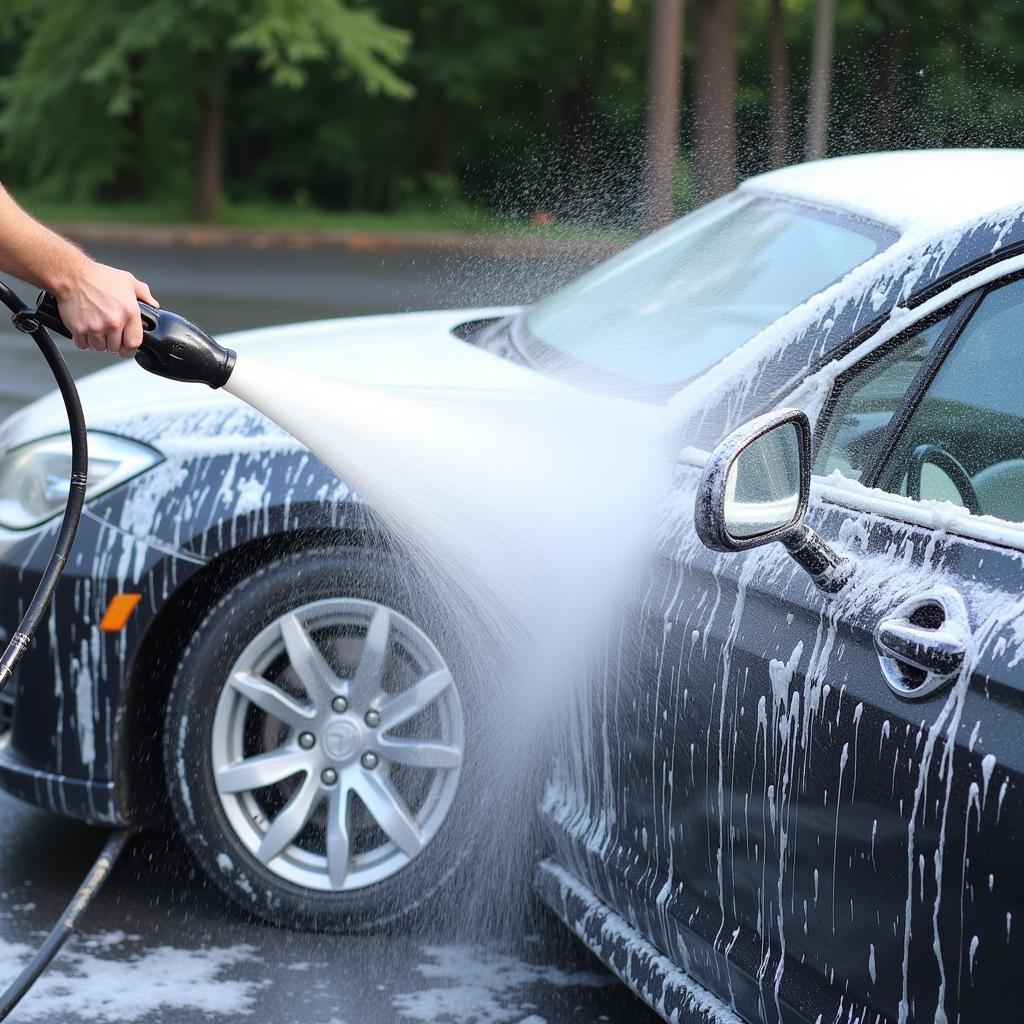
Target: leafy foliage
x,y
96,84
288,35
532,106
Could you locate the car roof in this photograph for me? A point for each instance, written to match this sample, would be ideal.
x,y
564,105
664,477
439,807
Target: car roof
x,y
921,191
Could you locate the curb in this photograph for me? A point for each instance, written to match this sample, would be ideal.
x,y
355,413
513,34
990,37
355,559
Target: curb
x,y
452,242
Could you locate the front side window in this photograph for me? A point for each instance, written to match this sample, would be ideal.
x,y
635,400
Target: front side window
x,y
866,400
670,307
965,440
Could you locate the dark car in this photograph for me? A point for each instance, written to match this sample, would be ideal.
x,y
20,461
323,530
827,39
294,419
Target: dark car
x,y
794,802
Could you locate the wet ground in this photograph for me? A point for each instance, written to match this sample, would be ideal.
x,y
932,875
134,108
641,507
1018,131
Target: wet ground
x,y
159,945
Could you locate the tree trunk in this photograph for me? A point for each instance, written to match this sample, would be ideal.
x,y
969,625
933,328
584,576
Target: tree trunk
x,y
662,111
210,141
603,47
714,97
821,79
778,87
887,129
407,160
444,112
444,136
129,181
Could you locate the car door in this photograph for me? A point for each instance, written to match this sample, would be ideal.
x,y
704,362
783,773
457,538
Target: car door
x,y
808,830
955,443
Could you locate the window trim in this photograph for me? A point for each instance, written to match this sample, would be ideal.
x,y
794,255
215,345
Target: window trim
x,y
864,495
982,272
904,412
852,495
898,508
824,424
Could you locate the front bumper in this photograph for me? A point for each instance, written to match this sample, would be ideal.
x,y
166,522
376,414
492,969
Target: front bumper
x,y
66,698
85,736
89,799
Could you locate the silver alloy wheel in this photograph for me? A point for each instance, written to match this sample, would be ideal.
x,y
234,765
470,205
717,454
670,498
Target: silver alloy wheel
x,y
337,744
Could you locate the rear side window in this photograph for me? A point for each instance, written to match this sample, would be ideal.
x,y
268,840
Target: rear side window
x,y
965,440
867,399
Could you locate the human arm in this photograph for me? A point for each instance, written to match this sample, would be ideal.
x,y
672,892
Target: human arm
x,y
98,303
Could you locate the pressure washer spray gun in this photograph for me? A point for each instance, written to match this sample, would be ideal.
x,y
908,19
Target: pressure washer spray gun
x,y
172,347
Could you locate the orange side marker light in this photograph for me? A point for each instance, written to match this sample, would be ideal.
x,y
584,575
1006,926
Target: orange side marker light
x,y
118,612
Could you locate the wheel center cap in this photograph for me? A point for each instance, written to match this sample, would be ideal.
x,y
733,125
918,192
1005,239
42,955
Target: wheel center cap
x,y
343,740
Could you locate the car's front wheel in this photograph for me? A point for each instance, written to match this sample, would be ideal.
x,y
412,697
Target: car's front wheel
x,y
315,747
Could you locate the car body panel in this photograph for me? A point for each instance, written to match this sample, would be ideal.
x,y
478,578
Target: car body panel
x,y
228,477
916,191
700,796
406,350
659,982
227,501
706,809
730,789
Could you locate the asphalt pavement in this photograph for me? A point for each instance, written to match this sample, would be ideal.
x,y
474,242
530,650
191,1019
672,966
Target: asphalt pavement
x,y
160,946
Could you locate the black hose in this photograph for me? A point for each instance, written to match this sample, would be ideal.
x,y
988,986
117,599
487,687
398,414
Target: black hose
x,y
76,494
63,928
25,320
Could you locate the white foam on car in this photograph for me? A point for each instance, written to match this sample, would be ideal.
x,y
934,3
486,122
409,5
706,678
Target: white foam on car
x,y
929,188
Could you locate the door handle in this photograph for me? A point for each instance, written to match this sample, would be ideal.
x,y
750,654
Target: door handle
x,y
930,650
924,643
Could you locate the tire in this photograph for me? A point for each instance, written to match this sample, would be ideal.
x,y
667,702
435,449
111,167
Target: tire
x,y
238,695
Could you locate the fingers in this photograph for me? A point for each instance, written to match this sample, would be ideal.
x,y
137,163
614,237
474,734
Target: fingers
x,y
142,292
131,339
101,309
118,330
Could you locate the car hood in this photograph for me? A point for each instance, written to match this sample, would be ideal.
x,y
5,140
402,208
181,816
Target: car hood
x,y
402,350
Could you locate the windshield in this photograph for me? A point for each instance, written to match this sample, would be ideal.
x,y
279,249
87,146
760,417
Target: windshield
x,y
676,303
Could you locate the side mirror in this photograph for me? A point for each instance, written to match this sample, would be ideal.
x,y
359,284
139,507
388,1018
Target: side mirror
x,y
754,491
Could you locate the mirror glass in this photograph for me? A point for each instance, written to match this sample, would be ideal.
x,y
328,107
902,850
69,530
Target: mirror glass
x,y
762,491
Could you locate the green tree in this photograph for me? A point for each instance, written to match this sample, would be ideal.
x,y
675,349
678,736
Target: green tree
x,y
821,79
525,107
87,97
778,86
714,96
663,84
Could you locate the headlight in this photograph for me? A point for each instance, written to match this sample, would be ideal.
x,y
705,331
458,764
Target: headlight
x,y
35,478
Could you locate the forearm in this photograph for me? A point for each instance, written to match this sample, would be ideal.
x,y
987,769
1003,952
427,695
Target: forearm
x,y
99,305
34,253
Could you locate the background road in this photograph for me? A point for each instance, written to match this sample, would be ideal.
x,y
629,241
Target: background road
x,y
162,946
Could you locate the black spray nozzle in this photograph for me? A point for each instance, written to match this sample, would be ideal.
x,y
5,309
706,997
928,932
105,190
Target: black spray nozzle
x,y
174,347
171,347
